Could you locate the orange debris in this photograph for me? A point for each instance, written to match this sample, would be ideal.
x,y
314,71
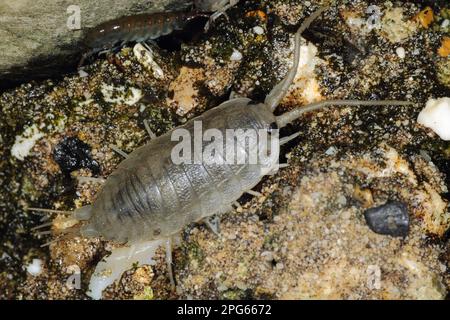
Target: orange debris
x,y
444,50
257,13
425,17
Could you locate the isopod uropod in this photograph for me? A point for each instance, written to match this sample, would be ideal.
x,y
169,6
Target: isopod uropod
x,y
148,197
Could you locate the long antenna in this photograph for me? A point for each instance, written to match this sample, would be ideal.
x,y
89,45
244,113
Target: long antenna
x,y
47,210
280,90
290,116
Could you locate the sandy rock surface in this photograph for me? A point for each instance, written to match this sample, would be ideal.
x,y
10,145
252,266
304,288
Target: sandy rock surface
x,y
306,235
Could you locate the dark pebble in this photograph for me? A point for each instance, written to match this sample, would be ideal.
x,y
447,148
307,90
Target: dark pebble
x,y
392,219
72,154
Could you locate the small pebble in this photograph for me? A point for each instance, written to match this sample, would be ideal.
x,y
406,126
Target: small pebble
x,y
342,200
392,219
241,285
222,288
436,116
331,151
401,53
35,267
236,56
258,30
267,255
82,73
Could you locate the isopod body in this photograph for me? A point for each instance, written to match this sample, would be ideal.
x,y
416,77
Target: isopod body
x,y
137,28
149,197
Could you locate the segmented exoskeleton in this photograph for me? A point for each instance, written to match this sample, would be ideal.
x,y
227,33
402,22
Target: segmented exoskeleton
x,y
137,28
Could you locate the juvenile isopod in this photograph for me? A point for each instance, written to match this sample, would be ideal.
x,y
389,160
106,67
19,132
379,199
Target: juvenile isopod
x,y
219,7
136,28
149,197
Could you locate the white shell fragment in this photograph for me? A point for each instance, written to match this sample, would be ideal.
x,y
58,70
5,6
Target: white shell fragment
x,y
119,95
82,73
436,116
145,56
25,142
236,55
258,30
121,259
401,53
35,267
306,85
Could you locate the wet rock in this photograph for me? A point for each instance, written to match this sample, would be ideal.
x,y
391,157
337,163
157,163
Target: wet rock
x,y
41,38
391,219
303,239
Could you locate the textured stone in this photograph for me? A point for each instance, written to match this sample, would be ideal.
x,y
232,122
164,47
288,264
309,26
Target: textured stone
x,y
38,39
391,219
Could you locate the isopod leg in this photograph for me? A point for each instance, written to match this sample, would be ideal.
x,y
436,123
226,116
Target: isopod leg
x,y
233,95
237,205
219,13
152,42
289,138
44,225
254,193
151,134
213,224
91,179
83,58
118,150
108,50
169,262
132,251
47,210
